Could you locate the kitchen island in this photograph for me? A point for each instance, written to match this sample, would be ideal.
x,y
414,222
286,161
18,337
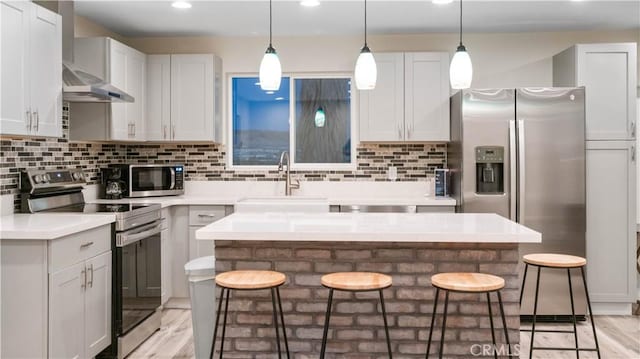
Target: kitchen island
x,y
409,247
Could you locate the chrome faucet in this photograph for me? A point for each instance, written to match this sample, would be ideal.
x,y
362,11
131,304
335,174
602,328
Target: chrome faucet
x,y
288,186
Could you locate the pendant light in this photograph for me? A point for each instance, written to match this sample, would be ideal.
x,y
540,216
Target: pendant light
x,y
461,70
320,117
366,71
270,69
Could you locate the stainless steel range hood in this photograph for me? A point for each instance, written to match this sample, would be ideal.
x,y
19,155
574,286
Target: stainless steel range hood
x,y
77,85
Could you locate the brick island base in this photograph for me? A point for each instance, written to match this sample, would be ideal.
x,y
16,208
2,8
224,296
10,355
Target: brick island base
x,y
356,323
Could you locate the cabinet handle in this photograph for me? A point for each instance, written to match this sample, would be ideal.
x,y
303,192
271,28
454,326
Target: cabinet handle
x,y
90,281
133,126
173,134
84,245
165,132
84,278
37,126
203,215
28,120
633,153
399,131
633,129
409,130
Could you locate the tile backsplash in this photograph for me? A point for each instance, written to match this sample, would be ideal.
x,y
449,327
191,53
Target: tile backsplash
x,y
414,162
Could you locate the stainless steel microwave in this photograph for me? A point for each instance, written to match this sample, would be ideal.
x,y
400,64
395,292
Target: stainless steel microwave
x,y
146,180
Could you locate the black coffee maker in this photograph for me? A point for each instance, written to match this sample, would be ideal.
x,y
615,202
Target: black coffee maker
x,y
114,186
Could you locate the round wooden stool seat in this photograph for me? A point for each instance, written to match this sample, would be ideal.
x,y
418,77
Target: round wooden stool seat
x,y
356,281
250,279
554,260
467,282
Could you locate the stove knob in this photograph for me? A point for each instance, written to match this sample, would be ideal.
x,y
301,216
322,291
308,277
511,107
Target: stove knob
x,y
46,177
77,176
37,179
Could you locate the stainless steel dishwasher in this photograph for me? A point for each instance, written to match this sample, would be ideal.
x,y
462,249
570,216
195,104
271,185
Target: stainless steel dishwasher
x,y
377,209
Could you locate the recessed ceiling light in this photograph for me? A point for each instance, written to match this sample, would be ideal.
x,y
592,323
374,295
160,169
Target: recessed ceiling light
x,y
181,5
310,3
279,98
269,92
442,1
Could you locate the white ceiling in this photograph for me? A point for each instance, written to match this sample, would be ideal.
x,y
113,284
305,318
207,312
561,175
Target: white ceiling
x,y
337,17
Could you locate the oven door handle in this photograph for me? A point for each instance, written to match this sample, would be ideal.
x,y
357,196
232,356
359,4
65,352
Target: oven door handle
x,y
126,238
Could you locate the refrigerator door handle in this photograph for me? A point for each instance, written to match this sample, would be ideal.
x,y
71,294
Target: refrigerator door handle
x,y
512,169
521,171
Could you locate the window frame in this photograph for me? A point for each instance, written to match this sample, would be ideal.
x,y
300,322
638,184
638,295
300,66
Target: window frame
x,y
351,166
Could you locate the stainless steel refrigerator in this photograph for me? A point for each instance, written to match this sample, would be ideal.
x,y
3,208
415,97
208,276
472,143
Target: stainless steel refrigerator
x,y
521,153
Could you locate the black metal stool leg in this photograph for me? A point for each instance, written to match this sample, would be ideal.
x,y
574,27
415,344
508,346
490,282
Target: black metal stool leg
x,y
224,323
535,313
386,326
215,329
284,328
593,324
444,323
433,320
573,314
275,321
326,324
493,332
524,279
504,325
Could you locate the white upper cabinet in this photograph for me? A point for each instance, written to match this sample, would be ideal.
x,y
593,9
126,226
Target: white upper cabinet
x,y
184,103
31,70
126,69
609,74
158,112
410,101
426,97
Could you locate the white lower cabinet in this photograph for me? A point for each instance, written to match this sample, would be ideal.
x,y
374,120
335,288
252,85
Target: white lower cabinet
x,y
200,216
611,224
60,302
80,309
166,256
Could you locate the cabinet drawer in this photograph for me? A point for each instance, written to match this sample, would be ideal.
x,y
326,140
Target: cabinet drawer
x,y
75,248
436,209
203,215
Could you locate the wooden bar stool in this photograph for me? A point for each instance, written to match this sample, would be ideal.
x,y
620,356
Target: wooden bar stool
x,y
467,283
355,282
558,261
250,280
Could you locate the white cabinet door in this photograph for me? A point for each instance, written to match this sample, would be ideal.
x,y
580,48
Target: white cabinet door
x,y
611,223
97,321
166,263
46,72
192,97
14,67
136,75
608,71
66,312
426,96
382,109
198,248
121,128
158,98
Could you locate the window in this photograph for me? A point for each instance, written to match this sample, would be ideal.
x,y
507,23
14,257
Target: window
x,y
310,117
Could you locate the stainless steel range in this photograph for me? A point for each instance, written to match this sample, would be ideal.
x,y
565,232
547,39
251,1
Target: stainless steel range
x,y
136,290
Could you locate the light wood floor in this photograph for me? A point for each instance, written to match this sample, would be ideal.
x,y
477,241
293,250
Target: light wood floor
x,y
618,336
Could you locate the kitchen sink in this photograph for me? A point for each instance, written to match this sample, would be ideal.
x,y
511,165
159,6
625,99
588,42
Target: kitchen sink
x,y
282,204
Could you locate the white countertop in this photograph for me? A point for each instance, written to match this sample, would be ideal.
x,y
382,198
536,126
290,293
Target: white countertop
x,y
369,227
47,226
335,201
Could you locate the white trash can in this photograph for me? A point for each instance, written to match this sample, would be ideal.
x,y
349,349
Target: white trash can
x,y
202,291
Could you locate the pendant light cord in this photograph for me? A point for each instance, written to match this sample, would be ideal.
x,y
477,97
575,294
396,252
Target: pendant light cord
x,y
365,23
460,22
271,21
